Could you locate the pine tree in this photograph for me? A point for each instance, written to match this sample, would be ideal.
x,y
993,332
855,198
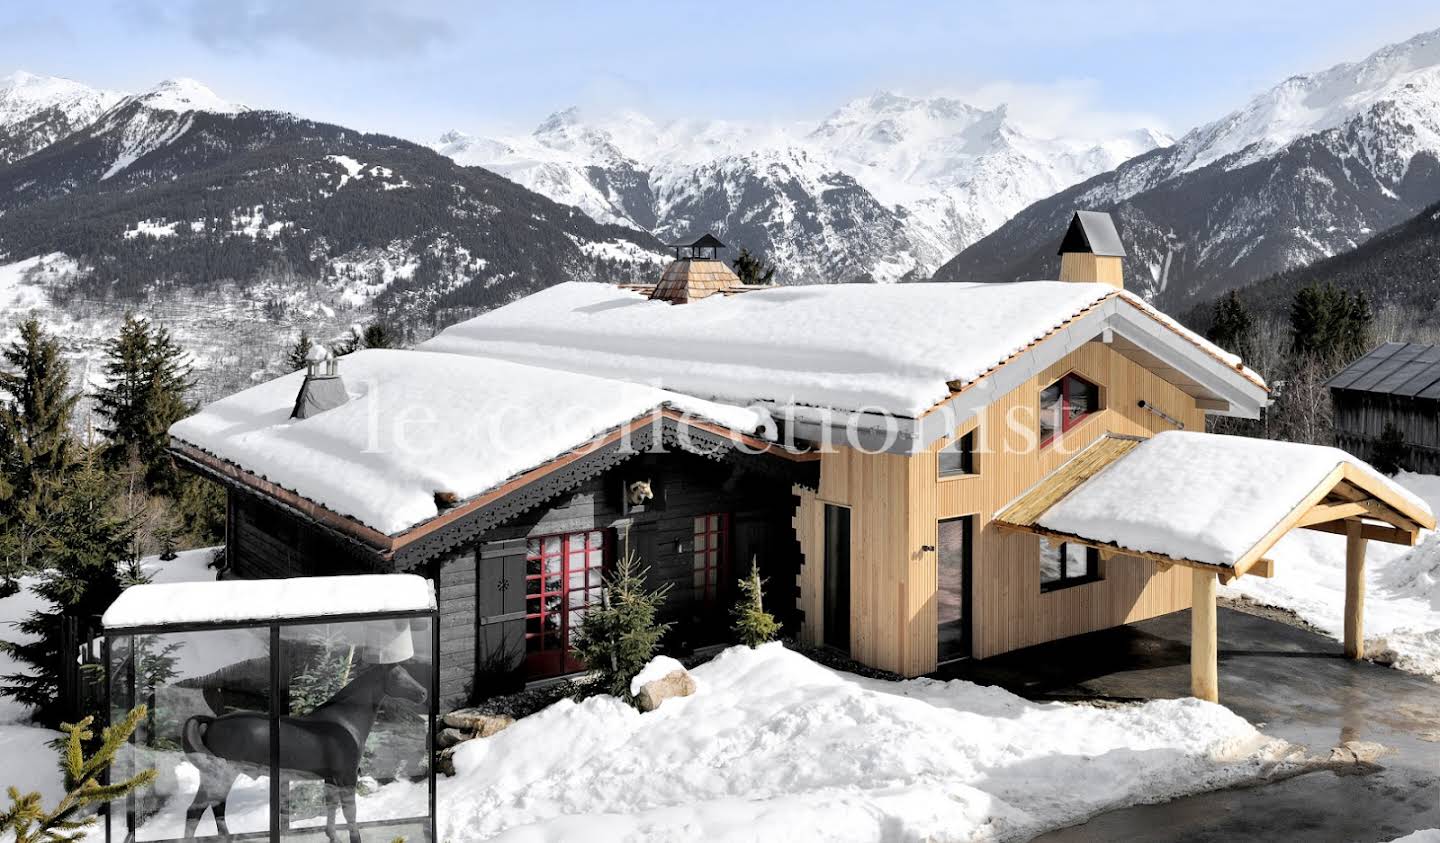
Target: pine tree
x,y
200,505
751,269
80,558
753,625
378,336
148,379
620,636
295,357
1391,455
36,450
1233,325
28,821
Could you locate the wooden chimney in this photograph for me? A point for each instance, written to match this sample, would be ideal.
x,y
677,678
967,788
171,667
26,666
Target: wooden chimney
x,y
1091,250
696,272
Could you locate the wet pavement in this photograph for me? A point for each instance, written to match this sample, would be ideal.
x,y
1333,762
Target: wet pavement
x,y
1289,682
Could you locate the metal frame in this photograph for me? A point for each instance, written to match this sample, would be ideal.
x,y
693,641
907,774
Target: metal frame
x,y
277,688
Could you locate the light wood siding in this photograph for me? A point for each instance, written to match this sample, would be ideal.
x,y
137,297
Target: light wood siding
x,y
897,501
1083,266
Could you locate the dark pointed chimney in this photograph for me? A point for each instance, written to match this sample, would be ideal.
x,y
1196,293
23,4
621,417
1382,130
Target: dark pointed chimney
x,y
323,389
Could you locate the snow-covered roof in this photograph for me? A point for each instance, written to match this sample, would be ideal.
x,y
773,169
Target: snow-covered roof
x,y
893,349
1205,497
418,423
231,601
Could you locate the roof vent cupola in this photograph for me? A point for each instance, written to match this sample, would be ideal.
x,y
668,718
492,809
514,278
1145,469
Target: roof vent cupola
x,y
323,388
1092,251
696,272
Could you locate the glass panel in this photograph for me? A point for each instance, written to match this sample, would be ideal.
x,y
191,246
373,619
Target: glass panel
x,y
189,680
1050,402
950,588
957,457
1077,561
1083,398
354,745
596,540
700,541
552,545
1050,569
532,547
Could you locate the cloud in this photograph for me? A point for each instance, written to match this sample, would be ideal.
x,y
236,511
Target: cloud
x,y
356,29
1068,107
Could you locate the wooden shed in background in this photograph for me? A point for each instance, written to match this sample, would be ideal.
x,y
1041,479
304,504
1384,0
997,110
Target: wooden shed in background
x,y
1396,383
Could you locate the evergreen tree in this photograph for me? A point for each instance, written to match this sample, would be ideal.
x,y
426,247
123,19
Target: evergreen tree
x,y
1391,455
1331,323
753,625
200,506
751,269
80,558
620,636
36,450
295,357
1233,325
351,342
378,336
147,382
28,821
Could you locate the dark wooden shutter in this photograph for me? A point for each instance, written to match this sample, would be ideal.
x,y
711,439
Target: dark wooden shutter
x,y
500,611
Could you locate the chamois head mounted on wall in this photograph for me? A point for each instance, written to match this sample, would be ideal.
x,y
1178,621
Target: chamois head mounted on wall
x,y
638,492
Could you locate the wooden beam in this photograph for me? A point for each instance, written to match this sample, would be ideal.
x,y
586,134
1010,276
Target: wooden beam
x,y
1354,590
1321,513
1287,524
1204,641
1264,568
1373,532
1214,404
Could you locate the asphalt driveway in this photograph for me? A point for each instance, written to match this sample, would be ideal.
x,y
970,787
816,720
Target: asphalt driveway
x,y
1289,682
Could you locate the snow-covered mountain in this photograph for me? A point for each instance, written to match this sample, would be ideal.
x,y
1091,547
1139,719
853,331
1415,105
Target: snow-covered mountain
x,y
883,188
36,111
1306,170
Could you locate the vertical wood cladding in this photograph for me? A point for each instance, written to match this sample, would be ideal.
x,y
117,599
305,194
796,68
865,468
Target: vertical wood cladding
x,y
898,500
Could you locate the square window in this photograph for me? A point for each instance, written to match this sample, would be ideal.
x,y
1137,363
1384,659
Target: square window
x,y
1064,564
958,457
1064,403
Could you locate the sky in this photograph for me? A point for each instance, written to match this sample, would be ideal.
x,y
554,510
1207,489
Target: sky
x,y
420,67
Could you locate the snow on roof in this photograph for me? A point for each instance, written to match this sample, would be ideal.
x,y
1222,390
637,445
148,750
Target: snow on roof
x,y
418,423
229,601
1201,496
893,348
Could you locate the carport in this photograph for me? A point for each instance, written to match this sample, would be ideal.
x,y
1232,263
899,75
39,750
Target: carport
x,y
1217,505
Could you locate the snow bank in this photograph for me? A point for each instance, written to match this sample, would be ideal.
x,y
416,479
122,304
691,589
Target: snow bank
x,y
773,743
1200,496
1424,835
1402,588
418,423
845,346
259,600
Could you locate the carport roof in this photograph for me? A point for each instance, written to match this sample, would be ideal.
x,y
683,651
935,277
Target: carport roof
x,y
1211,501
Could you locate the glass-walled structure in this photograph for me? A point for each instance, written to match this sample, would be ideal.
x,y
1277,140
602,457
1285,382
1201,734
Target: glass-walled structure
x,y
300,709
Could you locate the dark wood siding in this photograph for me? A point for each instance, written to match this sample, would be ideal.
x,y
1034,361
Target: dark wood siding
x,y
481,588
1360,419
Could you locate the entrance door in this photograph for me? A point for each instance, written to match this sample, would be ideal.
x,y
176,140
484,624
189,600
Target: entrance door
x,y
562,579
952,593
837,576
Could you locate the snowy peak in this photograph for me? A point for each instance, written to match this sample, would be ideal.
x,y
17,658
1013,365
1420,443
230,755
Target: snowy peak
x,y
24,95
1406,75
185,95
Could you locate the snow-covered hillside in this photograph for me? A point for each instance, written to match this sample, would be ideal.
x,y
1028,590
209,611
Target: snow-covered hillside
x,y
886,186
1308,169
36,111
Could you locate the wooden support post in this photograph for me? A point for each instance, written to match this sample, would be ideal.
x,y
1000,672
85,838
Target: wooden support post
x,y
1354,589
1204,645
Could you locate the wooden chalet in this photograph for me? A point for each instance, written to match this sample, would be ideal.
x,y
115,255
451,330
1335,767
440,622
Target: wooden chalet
x,y
909,452
1395,384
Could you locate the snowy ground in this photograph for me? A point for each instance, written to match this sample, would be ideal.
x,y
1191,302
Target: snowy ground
x,y
775,745
1402,601
27,762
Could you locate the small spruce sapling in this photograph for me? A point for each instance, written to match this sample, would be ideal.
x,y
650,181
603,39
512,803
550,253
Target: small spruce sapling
x,y
27,820
1390,455
753,625
618,637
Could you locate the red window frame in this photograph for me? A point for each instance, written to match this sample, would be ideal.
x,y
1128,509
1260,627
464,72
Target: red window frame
x,y
563,577
1067,423
710,564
